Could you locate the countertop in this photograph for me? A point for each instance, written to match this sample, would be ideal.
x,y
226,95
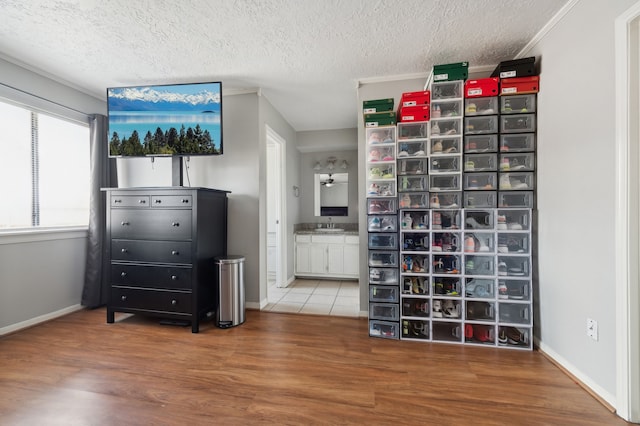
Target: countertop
x,y
325,232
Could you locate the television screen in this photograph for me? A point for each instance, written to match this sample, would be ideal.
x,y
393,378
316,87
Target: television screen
x,y
165,120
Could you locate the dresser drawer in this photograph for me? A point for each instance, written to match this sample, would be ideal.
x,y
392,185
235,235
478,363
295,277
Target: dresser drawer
x,y
171,201
151,251
169,277
150,300
151,224
141,201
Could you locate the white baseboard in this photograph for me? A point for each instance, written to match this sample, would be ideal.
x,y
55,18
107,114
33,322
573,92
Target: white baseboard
x,y
585,380
254,305
37,320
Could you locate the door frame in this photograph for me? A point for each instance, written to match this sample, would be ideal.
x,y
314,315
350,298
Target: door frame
x,y
627,209
280,144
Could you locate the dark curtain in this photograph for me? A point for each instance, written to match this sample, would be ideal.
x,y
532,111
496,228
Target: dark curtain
x,y
103,175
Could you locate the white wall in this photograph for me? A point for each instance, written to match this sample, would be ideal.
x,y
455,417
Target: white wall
x,y
576,174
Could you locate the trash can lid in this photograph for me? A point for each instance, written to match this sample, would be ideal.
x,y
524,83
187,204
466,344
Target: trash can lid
x,y
232,258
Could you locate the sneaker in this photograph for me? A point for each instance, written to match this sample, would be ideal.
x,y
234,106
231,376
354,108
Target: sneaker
x,y
505,182
418,153
472,223
403,154
450,309
436,148
502,268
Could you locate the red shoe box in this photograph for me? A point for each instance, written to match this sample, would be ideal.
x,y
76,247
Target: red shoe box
x,y
413,113
520,85
415,98
481,88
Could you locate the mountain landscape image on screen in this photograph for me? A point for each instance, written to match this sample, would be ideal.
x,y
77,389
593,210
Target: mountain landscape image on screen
x,y
183,119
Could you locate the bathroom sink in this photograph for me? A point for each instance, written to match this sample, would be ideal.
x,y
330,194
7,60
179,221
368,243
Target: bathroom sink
x,y
329,230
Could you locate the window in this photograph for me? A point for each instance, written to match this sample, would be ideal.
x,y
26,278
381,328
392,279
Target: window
x,y
44,170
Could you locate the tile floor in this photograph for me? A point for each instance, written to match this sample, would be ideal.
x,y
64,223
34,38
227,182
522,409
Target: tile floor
x,y
319,297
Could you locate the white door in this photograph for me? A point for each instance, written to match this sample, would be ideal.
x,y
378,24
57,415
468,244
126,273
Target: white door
x,y
276,242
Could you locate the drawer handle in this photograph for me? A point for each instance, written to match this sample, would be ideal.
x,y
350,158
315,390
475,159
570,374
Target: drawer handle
x,y
123,298
117,200
142,201
123,274
175,252
174,302
185,201
124,250
158,201
124,223
175,223
174,277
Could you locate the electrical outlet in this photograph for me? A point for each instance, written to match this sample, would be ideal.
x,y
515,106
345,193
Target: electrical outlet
x,y
592,329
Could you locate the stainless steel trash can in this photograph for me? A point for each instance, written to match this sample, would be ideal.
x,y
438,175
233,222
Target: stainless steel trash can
x,y
230,292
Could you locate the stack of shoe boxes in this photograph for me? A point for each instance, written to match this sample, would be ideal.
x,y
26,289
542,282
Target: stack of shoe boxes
x,y
445,169
480,200
382,221
516,201
462,208
413,195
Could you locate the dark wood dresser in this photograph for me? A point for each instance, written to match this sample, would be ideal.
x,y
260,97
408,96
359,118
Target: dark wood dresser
x,y
161,248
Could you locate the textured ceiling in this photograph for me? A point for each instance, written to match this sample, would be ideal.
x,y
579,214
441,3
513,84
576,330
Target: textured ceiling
x,y
306,56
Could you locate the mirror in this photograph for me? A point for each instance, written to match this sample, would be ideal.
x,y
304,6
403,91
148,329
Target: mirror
x,y
331,194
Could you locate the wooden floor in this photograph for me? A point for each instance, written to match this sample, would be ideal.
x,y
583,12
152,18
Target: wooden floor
x,y
282,369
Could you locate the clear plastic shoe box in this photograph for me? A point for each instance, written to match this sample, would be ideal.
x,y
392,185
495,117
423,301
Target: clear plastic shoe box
x,y
478,144
480,162
484,181
445,164
481,199
481,106
517,104
518,123
524,142
445,145
480,125
384,293
384,329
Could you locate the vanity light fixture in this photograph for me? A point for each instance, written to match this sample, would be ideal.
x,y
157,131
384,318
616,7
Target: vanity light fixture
x,y
331,164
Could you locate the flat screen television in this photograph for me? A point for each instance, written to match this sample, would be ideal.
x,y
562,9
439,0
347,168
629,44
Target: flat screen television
x,y
165,120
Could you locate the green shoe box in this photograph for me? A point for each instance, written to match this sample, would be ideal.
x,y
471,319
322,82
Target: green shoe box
x,y
451,72
377,105
376,119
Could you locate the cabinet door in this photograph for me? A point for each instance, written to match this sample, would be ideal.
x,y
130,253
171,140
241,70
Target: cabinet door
x,y
335,258
318,258
303,257
351,256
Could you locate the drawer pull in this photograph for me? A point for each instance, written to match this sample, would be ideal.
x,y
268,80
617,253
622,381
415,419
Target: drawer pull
x,y
175,223
158,201
174,277
117,200
174,302
124,250
123,298
175,252
124,223
142,201
123,274
185,201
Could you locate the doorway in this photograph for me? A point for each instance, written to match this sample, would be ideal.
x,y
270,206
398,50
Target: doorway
x,y
627,245
276,217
